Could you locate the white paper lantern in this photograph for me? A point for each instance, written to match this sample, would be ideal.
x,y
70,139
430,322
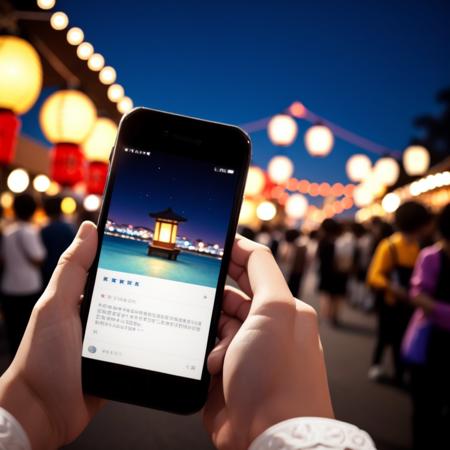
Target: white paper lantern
x,y
256,181
416,160
358,167
296,206
319,140
280,169
386,170
282,130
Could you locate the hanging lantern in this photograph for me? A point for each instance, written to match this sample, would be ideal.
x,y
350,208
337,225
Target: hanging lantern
x,y
358,167
20,85
66,119
280,169
97,149
416,160
296,206
282,130
319,140
255,182
386,171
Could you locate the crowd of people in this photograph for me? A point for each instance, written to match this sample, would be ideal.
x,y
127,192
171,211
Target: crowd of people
x,y
398,271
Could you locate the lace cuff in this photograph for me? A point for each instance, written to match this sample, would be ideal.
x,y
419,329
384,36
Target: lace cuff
x,y
12,435
313,433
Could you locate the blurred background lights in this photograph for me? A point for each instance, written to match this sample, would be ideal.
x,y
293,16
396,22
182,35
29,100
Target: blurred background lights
x,y
386,170
362,196
280,169
358,167
390,202
59,20
92,202
248,212
96,62
68,205
416,160
282,130
107,75
319,140
46,4
125,105
53,189
266,211
115,92
6,200
75,36
85,50
41,183
18,181
255,182
296,206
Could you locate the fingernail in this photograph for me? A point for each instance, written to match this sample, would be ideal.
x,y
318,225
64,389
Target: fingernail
x,y
85,229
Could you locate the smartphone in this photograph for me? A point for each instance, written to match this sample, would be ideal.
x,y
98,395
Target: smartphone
x,y
166,229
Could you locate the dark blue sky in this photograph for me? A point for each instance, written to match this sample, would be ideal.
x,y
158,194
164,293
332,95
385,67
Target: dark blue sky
x,y
370,66
192,189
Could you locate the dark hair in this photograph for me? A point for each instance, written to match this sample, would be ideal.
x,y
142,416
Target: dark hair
x,y
331,227
291,235
52,206
411,217
24,206
444,222
358,229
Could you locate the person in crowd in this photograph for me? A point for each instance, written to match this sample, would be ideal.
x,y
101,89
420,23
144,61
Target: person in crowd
x,y
332,281
430,290
345,252
42,405
56,236
389,275
291,258
22,253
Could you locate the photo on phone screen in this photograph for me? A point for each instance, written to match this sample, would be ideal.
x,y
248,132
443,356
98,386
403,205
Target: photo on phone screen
x,y
160,258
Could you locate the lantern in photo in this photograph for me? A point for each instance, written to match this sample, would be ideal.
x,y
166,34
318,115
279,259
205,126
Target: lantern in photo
x,y
386,171
296,206
416,160
266,211
280,169
391,202
282,130
358,167
97,148
319,140
256,180
66,118
362,196
20,85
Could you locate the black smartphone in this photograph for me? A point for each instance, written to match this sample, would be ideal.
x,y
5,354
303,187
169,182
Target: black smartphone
x,y
166,230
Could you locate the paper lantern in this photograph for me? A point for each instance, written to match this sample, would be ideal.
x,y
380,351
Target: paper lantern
x,y
319,140
282,130
416,160
296,206
391,202
115,92
67,164
124,105
9,130
75,36
96,62
97,146
85,50
59,21
256,180
280,169
266,211
358,167
386,170
362,196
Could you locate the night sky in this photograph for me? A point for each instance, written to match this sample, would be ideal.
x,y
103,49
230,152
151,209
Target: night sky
x,y
192,189
370,66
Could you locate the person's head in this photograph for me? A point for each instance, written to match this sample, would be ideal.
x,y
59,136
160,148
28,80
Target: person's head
x,y
24,206
330,228
358,229
412,218
52,207
291,235
443,223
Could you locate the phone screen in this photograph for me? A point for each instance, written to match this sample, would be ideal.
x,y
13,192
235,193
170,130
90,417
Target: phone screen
x,y
160,258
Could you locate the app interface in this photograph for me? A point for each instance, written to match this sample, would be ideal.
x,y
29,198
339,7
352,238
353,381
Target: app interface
x,y
160,259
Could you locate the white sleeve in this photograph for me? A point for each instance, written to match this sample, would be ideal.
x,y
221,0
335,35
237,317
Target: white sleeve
x,y
313,433
12,435
33,244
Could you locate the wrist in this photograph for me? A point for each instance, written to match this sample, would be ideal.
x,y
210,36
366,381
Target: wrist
x,y
20,401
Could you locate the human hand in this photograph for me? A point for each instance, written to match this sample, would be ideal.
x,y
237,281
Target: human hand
x,y
42,387
268,365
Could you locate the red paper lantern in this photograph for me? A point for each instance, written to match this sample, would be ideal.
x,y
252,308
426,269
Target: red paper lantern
x,y
9,130
67,164
96,177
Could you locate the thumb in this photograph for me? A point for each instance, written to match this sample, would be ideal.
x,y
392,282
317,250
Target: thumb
x,y
69,278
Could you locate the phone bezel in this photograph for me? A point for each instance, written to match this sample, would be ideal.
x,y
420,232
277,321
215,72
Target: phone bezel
x,y
210,141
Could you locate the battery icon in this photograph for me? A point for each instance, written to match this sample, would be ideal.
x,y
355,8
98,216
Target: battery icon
x,y
230,171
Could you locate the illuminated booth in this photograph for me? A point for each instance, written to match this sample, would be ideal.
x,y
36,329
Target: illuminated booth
x,y
165,234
